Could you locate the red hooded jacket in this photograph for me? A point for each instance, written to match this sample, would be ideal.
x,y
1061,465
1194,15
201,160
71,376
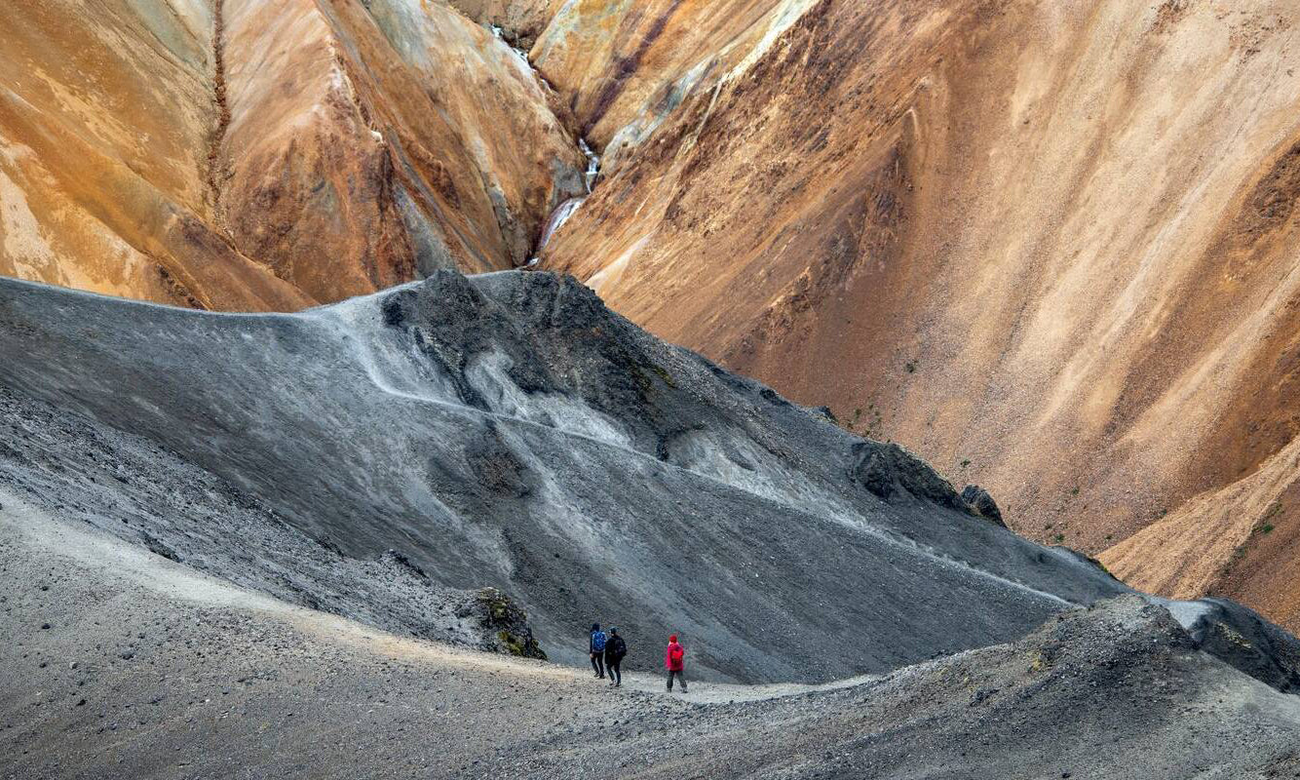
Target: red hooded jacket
x,y
669,663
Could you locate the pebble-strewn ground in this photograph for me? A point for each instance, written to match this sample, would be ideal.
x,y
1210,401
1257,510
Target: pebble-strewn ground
x,y
119,663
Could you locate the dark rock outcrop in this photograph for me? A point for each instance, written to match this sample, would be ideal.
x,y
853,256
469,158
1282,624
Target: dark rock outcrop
x,y
505,625
1239,637
885,468
978,498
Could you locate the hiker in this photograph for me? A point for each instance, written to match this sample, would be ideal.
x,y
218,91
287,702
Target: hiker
x,y
615,649
597,648
675,662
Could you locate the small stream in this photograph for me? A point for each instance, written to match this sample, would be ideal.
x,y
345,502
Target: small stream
x,y
570,206
593,164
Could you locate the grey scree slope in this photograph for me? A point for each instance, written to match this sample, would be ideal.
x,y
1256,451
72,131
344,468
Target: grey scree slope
x,y
508,430
150,670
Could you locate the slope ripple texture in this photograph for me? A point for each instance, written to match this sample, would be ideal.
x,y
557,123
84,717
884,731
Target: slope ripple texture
x,y
509,431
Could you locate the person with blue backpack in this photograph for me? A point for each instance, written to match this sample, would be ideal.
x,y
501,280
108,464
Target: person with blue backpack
x,y
597,649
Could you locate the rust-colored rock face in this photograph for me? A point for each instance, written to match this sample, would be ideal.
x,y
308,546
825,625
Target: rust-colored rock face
x,y
106,122
1050,246
522,20
625,66
248,155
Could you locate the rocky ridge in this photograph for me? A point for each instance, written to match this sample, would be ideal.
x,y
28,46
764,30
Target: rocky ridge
x,y
124,682
507,431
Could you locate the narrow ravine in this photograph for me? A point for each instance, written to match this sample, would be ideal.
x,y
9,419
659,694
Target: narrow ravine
x,y
222,107
568,208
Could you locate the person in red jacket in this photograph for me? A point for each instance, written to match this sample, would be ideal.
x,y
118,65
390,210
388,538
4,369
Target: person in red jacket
x,y
675,663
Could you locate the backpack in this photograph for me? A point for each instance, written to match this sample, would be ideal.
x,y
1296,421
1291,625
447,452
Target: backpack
x,y
597,641
617,647
676,654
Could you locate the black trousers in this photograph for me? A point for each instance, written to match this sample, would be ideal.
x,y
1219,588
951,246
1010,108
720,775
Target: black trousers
x,y
681,677
598,663
615,673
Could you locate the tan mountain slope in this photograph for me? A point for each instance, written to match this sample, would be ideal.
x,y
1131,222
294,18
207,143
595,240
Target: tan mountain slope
x,y
625,65
1239,541
106,116
267,156
523,20
1052,248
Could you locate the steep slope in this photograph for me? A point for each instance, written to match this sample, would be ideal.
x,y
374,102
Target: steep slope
x,y
624,67
522,20
1049,247
253,156
106,119
1238,541
148,670
506,430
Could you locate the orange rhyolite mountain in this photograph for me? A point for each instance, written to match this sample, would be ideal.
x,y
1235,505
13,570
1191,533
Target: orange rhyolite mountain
x,y
1051,247
249,155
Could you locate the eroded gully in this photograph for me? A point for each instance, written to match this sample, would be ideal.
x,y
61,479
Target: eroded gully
x,y
568,208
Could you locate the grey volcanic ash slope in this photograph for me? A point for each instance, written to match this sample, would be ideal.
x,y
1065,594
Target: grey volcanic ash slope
x,y
507,430
149,670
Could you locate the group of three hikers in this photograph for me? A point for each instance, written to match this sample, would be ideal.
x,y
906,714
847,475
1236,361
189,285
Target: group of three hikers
x,y
607,651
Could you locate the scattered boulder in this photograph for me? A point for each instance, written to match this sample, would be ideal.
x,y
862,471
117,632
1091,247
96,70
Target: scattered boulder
x,y
394,558
158,547
823,413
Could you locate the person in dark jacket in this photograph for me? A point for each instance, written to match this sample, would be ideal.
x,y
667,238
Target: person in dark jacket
x,y
675,663
615,649
597,649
